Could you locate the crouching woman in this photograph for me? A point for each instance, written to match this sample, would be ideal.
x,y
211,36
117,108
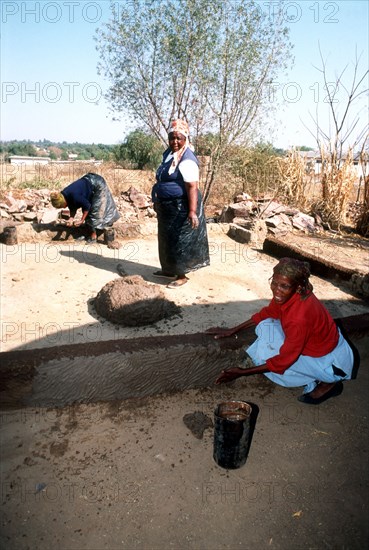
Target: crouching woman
x,y
298,343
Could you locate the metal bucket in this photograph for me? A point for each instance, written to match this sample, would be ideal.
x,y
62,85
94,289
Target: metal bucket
x,y
109,235
231,433
10,235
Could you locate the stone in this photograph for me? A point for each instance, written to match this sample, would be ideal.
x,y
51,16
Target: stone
x,y
303,222
239,234
49,216
29,216
235,210
274,221
18,206
246,223
140,200
132,301
271,209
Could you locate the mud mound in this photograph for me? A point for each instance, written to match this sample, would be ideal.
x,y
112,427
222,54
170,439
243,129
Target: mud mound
x,y
131,301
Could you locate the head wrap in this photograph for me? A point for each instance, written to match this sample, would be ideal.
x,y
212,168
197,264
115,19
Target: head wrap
x,y
298,272
179,125
57,200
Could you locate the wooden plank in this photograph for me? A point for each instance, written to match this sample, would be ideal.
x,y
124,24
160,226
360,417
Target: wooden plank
x,y
319,266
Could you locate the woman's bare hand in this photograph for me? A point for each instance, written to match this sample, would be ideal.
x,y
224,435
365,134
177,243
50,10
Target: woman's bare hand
x,y
193,219
229,375
220,332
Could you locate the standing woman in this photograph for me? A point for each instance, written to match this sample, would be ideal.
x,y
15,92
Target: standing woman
x,y
182,234
92,195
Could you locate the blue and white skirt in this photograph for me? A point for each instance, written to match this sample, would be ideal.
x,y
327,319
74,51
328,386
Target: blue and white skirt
x,y
306,371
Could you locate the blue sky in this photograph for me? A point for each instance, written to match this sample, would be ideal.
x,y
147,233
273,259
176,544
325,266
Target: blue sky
x,y
51,89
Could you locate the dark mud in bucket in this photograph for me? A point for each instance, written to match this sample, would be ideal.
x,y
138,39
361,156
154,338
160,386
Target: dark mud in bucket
x,y
231,434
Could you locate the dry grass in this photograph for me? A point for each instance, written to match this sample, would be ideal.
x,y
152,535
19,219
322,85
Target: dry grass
x,y
291,179
363,221
338,179
296,180
58,175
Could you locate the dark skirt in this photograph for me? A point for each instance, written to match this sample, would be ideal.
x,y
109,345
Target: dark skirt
x,y
103,212
181,248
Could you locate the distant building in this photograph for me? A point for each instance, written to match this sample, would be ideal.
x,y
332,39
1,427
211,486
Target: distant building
x,y
313,160
20,160
28,161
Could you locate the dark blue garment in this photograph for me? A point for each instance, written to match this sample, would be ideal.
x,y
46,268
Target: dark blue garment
x,y
181,248
79,195
92,194
171,186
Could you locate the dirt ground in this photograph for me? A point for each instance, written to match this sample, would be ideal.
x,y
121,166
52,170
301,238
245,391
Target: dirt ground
x,y
131,474
48,287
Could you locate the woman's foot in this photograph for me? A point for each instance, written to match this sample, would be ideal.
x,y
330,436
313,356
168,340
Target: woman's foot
x,y
321,393
161,273
321,389
180,281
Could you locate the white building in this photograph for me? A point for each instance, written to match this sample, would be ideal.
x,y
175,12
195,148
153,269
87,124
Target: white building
x,y
28,161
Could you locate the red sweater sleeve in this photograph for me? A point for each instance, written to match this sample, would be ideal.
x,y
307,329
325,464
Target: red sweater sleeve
x,y
271,311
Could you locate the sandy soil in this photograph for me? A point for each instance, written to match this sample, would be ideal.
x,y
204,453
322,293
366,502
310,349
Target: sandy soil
x,y
48,289
131,474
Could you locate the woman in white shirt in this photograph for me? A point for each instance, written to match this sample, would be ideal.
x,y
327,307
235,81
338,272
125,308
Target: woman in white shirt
x,y
182,234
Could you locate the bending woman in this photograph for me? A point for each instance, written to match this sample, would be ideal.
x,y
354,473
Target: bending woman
x,y
182,235
92,195
298,343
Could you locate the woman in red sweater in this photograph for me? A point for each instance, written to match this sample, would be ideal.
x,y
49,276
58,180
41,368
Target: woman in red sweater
x,y
298,342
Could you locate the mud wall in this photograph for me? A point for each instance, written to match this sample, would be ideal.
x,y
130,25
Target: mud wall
x,y
116,369
122,369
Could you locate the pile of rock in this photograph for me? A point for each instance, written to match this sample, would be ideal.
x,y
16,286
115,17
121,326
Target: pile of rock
x,y
33,205
134,205
248,217
24,205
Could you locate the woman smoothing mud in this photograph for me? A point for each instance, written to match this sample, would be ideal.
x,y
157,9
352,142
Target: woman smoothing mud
x,y
298,343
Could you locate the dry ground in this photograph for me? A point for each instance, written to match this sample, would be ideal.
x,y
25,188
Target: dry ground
x,y
131,474
48,287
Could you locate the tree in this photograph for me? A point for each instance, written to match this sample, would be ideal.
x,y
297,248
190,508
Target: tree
x,y
22,148
211,62
342,94
304,148
139,150
346,132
